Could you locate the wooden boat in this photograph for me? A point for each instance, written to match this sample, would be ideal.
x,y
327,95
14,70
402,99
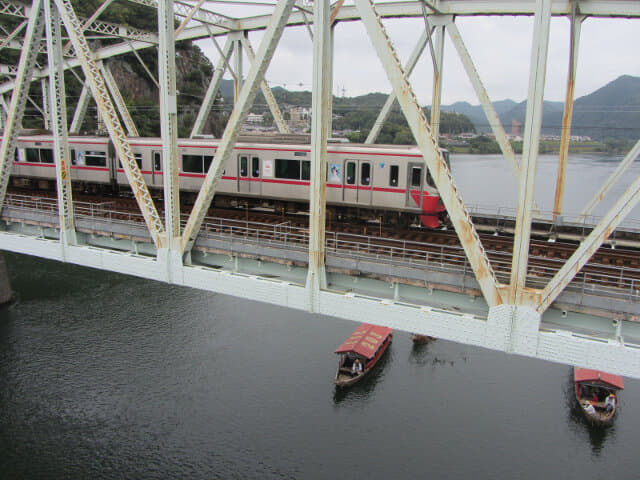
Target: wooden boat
x,y
421,339
365,345
595,391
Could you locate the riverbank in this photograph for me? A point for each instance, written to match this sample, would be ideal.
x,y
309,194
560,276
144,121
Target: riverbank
x,y
486,145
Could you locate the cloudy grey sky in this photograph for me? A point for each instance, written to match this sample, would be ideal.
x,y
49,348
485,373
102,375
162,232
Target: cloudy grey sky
x,y
499,46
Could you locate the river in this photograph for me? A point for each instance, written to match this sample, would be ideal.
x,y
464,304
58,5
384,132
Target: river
x,y
108,376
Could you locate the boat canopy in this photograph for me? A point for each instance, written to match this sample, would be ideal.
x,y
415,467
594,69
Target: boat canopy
x,y
365,340
585,375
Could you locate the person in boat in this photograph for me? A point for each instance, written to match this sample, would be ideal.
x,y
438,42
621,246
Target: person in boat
x,y
356,368
589,408
610,403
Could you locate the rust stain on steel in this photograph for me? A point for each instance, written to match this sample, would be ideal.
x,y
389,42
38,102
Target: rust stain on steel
x,y
564,148
334,12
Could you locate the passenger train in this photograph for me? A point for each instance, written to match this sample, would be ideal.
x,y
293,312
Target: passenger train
x,y
367,182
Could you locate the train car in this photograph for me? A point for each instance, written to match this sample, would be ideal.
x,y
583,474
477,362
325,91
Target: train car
x,y
367,182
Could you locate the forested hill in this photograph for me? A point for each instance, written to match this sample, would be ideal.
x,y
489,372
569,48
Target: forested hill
x,y
358,114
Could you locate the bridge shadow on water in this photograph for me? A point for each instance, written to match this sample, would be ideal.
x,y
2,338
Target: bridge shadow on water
x,y
365,388
577,421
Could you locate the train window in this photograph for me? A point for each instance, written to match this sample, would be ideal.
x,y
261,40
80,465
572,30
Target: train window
x,y
46,155
157,161
138,157
95,159
207,162
393,175
430,181
73,156
351,173
416,173
306,170
192,163
32,155
255,167
244,167
289,169
365,173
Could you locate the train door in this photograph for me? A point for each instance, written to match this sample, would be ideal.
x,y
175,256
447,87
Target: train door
x,y
249,174
156,168
415,184
358,181
244,180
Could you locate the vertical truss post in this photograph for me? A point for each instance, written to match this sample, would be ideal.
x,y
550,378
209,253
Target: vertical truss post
x,y
46,113
629,199
431,153
59,123
110,118
436,97
483,96
212,90
332,37
169,123
386,109
321,93
237,80
81,110
613,178
32,39
565,139
533,122
266,91
118,100
241,109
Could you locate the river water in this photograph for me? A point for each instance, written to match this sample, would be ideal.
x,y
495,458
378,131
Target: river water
x,y
108,376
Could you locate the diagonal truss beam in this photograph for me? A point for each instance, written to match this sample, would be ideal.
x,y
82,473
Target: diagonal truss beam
x,y
483,96
266,90
241,109
431,153
118,99
58,111
611,181
212,90
107,110
26,66
386,108
629,199
81,110
13,34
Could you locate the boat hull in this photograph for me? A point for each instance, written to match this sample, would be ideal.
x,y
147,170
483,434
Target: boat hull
x,y
344,378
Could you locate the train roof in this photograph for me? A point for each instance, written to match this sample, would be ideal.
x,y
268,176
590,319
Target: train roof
x,y
260,141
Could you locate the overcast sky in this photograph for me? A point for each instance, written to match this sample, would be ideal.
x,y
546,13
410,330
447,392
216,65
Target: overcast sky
x,y
500,48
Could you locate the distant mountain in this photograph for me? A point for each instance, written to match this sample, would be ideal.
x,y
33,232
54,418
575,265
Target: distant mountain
x,y
612,111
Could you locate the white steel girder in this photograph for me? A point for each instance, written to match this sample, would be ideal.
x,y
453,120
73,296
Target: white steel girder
x,y
266,90
212,90
432,155
532,126
58,112
117,135
132,131
169,123
240,111
32,40
320,104
388,104
46,113
576,23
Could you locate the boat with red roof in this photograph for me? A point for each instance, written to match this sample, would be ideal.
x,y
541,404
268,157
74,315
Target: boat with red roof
x,y
597,394
360,352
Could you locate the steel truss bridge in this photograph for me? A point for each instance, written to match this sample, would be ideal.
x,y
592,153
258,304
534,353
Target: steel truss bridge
x,y
519,317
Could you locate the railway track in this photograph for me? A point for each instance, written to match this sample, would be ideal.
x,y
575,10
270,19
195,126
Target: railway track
x,y
616,268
